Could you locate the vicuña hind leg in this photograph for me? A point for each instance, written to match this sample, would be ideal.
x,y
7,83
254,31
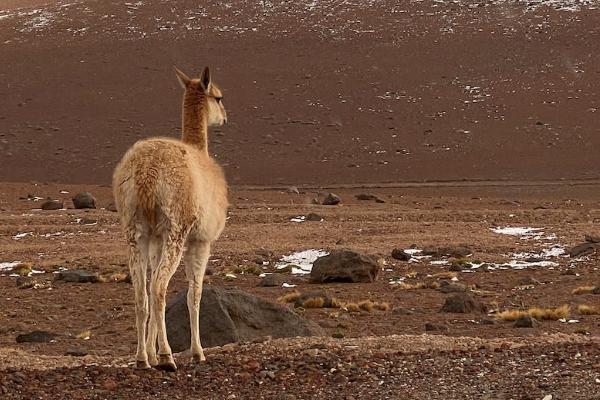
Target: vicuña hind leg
x,y
154,252
138,257
196,258
171,256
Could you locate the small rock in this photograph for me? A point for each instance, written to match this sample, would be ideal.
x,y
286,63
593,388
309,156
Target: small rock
x,y
52,205
402,311
463,303
369,197
592,239
331,199
457,267
487,321
450,251
76,353
293,190
36,337
452,287
400,254
84,200
78,276
314,217
88,221
528,280
582,249
112,207
429,327
272,280
526,322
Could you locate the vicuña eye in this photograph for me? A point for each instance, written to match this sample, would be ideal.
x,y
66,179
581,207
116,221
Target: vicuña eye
x,y
218,99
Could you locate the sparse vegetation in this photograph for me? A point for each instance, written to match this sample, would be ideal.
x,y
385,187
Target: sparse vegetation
x,y
382,306
366,305
114,277
418,285
585,309
445,275
289,297
313,302
584,290
538,313
22,269
248,269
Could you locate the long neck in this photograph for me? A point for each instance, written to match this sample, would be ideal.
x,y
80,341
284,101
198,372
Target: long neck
x,y
195,124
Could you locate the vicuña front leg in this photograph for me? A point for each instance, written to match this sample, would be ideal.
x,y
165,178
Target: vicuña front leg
x,y
195,266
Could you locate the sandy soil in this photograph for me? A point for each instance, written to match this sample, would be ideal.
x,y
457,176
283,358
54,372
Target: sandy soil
x,y
354,91
260,220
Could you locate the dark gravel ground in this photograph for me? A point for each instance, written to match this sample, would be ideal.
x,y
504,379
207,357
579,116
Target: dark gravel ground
x,y
395,367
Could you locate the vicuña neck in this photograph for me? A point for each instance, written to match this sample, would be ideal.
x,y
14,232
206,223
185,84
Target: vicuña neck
x,y
195,124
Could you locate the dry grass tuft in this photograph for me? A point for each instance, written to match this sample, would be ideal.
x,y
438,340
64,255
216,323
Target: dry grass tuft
x,y
352,307
289,297
382,306
445,275
584,309
366,305
84,335
114,277
248,269
314,302
418,285
551,314
22,269
583,290
335,303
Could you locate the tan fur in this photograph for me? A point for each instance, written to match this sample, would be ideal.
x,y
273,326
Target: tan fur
x,y
171,194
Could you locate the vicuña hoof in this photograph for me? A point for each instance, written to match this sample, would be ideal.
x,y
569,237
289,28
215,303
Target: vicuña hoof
x,y
142,364
166,363
153,360
198,358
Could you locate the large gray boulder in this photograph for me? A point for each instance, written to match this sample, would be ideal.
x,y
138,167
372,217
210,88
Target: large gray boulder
x,y
344,266
228,316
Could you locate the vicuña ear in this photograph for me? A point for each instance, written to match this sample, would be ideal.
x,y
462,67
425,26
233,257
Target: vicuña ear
x,y
184,80
205,79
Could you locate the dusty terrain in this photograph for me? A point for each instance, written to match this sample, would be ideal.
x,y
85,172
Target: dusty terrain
x,y
472,355
353,91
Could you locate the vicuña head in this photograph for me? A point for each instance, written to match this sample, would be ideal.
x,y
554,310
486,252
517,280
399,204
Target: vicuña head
x,y
204,95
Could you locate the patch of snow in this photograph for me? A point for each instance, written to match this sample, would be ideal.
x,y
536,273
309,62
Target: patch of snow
x,y
515,264
287,285
413,251
555,251
302,259
6,266
60,233
518,231
21,235
299,218
439,262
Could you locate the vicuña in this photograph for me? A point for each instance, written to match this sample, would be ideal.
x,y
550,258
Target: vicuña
x,y
172,196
